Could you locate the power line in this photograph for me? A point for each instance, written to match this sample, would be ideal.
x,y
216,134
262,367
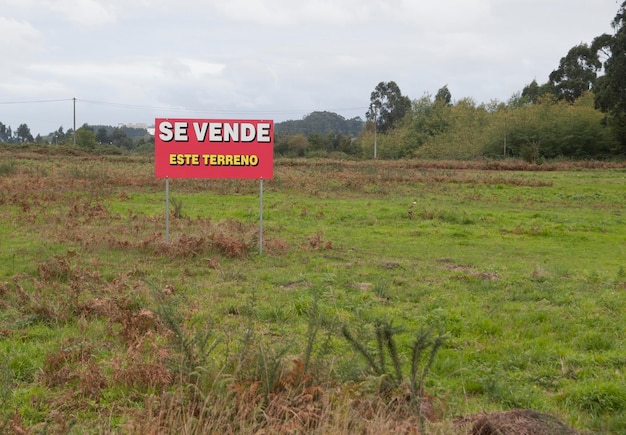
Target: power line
x,y
177,109
215,110
34,101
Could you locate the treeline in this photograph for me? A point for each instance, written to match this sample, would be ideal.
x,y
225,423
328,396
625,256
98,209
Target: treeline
x,y
100,138
436,129
464,130
319,134
432,127
114,139
321,123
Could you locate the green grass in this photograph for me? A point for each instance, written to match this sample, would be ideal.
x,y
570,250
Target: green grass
x,y
523,272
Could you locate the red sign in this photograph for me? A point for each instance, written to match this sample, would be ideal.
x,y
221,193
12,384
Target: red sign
x,y
213,148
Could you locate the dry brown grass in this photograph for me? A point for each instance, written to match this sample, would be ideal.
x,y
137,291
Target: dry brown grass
x,y
294,409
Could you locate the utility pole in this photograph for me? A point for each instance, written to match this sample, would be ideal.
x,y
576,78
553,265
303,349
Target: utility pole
x,y
74,121
505,135
375,122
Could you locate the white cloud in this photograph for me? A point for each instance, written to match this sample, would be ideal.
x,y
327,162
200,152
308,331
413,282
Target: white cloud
x,y
442,14
96,72
133,70
26,88
200,69
294,13
85,13
19,39
131,80
20,42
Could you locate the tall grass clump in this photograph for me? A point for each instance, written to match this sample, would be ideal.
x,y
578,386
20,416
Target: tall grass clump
x,y
7,167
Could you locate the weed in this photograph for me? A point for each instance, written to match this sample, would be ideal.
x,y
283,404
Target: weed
x,y
195,348
7,167
422,359
424,348
598,398
268,367
317,242
177,204
313,327
56,268
411,210
386,344
233,238
144,367
380,289
6,391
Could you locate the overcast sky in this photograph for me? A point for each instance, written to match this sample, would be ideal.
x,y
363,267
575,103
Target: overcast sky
x,y
133,60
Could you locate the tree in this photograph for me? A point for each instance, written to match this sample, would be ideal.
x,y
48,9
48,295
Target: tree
x,y
120,139
533,92
291,145
85,137
581,133
443,96
576,73
102,136
388,106
59,136
456,131
4,133
145,145
610,89
23,133
428,119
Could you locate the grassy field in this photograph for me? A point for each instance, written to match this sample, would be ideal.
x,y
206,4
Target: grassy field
x,y
391,296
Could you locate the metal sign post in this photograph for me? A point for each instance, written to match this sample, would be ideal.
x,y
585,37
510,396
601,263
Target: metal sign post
x,y
261,216
167,210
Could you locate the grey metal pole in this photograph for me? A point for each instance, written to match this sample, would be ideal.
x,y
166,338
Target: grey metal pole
x,y
167,210
261,216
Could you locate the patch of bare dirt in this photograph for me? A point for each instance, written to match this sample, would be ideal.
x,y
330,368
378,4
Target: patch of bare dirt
x,y
515,422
